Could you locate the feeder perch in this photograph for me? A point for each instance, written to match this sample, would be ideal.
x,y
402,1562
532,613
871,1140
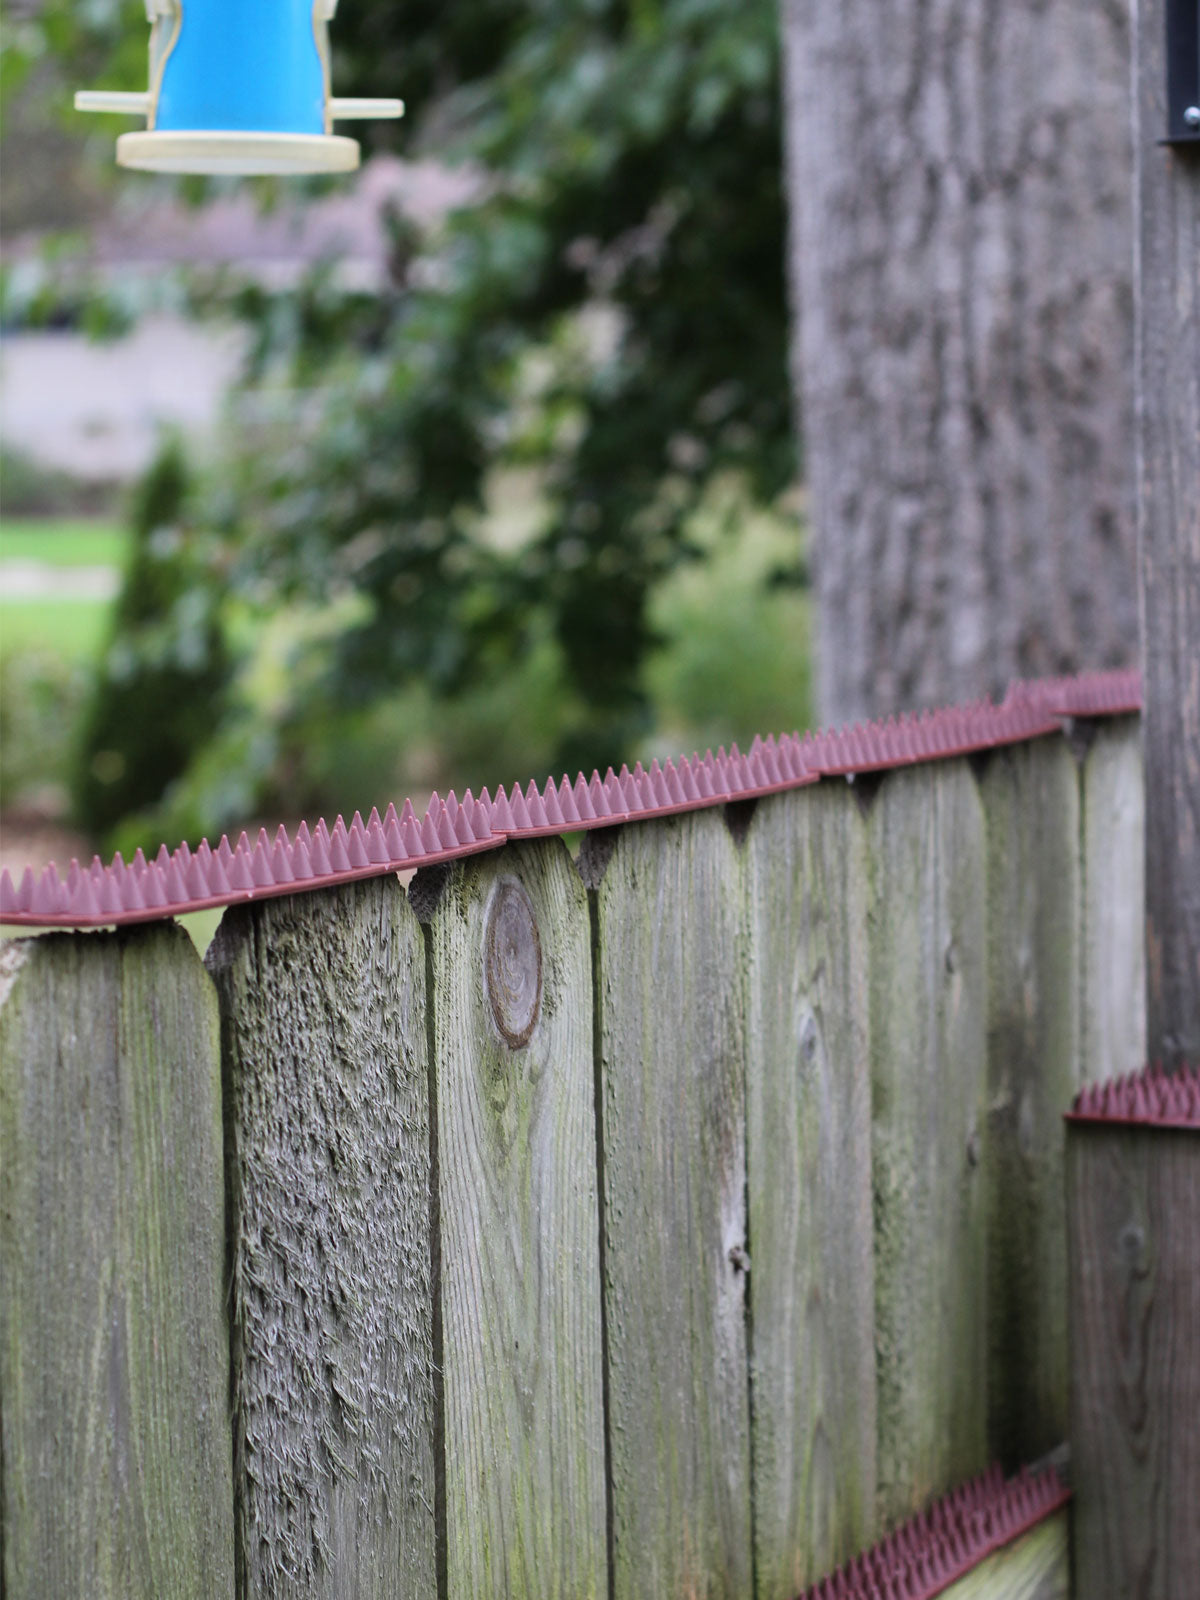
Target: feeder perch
x,y
238,87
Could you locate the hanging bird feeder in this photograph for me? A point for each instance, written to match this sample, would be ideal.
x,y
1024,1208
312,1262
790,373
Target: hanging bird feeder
x,y
238,86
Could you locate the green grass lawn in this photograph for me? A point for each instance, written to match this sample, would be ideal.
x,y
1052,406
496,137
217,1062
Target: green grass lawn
x,y
73,543
71,628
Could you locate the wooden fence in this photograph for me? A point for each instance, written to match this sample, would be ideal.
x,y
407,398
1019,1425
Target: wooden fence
x,y
668,1222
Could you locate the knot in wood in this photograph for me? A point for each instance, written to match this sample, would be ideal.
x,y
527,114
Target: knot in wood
x,y
512,963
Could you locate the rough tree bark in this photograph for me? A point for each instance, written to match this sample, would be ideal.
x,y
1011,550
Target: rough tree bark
x,y
961,259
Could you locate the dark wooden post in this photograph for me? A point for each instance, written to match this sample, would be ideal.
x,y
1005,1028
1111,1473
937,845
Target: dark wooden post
x,y
1133,1197
1167,298
115,1466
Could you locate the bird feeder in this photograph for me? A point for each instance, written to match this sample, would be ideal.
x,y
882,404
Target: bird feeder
x,y
238,87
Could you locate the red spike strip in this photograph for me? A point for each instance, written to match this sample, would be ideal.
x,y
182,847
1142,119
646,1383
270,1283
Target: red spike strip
x,y
1150,1098
935,1548
186,881
1092,694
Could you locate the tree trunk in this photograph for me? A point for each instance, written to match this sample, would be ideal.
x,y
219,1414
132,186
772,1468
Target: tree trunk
x,y
960,185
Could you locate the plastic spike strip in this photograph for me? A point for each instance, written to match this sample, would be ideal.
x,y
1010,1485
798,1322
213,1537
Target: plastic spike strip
x,y
934,1549
183,880
1092,694
1150,1098
187,880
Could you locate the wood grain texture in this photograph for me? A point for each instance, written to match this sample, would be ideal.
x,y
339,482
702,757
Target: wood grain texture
x,y
670,946
1035,1567
959,180
808,1125
114,1345
928,1042
328,1153
510,963
1167,310
1133,1199
1113,1020
1030,796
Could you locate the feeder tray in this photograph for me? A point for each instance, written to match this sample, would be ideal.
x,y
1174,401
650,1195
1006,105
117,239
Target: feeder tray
x,y
240,90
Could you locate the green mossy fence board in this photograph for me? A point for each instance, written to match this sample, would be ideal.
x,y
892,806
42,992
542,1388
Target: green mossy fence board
x,y
1031,802
670,988
808,1096
114,1349
520,1278
928,1039
328,1152
1034,1567
1133,1200
1113,1021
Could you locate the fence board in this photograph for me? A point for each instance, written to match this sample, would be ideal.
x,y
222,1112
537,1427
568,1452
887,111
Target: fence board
x,y
114,1350
808,1095
327,1131
1031,801
1034,1567
1113,1023
928,1056
1133,1197
669,947
520,1279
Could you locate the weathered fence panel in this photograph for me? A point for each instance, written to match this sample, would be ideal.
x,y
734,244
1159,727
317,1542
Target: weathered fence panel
x,y
1031,802
928,1041
114,1349
327,1127
808,1133
1113,802
510,974
668,1226
1035,1567
1133,1198
669,984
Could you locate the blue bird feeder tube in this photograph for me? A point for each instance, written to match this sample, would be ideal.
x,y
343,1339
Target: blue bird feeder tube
x,y
238,86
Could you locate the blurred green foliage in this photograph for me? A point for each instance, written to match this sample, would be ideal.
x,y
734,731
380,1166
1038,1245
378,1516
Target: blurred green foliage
x,y
607,318
165,668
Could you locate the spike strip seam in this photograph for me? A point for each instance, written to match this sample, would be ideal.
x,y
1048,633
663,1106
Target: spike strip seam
x,y
941,1544
1150,1098
100,896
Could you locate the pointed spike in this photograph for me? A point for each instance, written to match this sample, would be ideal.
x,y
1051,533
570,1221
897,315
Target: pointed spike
x,y
431,845
281,866
241,870
218,877
83,901
260,862
445,830
377,845
356,844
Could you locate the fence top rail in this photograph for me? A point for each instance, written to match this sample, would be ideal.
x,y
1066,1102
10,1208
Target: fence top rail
x,y
932,1550
184,880
1151,1098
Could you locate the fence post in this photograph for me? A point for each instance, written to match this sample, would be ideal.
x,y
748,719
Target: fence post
x,y
1031,802
1133,1199
1112,1037
509,949
327,1133
1167,309
669,947
114,1345
808,1135
928,1046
